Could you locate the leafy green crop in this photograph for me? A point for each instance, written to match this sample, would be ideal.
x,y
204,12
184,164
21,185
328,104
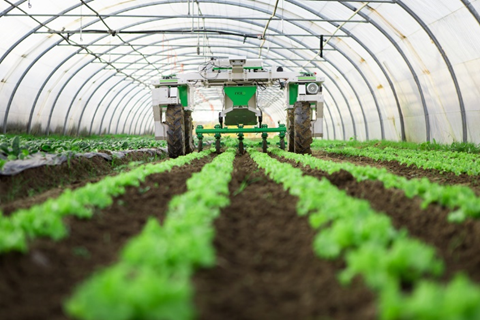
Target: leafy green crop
x,y
443,161
385,258
462,200
467,147
151,280
20,147
45,220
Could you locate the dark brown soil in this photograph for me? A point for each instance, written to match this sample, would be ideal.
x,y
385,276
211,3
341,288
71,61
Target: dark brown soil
x,y
457,244
71,174
33,285
409,172
266,265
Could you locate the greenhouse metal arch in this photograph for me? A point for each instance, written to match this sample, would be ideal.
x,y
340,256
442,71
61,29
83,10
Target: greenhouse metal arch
x,y
411,67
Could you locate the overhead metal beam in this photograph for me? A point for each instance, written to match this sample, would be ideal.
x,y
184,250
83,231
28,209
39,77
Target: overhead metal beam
x,y
201,46
186,31
180,16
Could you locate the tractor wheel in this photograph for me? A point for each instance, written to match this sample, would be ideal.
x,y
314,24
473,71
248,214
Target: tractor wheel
x,y
176,131
282,143
264,145
217,146
291,129
189,146
303,132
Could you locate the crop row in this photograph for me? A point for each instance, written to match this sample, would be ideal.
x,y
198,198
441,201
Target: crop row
x,y
385,258
151,279
467,147
461,199
20,147
45,220
443,161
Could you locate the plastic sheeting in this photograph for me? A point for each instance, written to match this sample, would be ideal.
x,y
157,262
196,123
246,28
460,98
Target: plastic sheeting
x,y
402,69
47,159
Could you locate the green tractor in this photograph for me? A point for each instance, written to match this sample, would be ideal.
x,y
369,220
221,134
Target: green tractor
x,y
240,79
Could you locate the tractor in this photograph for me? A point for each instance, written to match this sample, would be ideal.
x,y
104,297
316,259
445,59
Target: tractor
x,y
240,80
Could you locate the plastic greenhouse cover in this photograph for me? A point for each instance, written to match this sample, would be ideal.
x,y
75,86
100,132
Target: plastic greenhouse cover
x,y
396,67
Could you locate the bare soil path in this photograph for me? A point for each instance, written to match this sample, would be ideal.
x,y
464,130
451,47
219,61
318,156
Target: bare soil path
x,y
266,265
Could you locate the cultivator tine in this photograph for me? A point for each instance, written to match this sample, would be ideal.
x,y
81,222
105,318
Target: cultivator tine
x,y
264,139
200,140
241,149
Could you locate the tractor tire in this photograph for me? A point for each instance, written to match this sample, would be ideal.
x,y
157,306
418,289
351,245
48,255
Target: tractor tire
x,y
241,149
303,131
264,146
217,146
176,131
291,129
282,144
189,146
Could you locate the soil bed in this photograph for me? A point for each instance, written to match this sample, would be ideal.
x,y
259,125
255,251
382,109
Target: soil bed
x,y
457,244
409,172
266,267
33,285
71,174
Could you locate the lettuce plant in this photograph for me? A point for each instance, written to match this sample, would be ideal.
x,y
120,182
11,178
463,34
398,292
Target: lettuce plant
x,y
385,258
45,220
462,200
151,279
443,161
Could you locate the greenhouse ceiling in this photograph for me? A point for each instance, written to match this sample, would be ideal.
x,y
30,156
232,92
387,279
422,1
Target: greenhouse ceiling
x,y
394,69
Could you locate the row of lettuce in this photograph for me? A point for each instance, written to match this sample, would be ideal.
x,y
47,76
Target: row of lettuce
x,y
467,147
151,280
46,219
13,147
387,259
460,199
443,161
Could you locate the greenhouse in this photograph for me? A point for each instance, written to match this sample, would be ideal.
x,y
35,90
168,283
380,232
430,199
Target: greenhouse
x,y
240,159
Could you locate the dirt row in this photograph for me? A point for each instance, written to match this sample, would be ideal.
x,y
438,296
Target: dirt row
x,y
409,172
36,185
266,267
457,244
33,285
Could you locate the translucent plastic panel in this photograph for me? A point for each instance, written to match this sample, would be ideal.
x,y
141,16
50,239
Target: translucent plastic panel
x,y
100,80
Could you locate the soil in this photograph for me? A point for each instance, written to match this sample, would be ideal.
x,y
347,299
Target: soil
x,y
458,245
266,265
73,174
33,285
409,172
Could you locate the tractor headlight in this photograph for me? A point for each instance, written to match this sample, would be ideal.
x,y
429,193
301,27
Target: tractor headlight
x,y
312,88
